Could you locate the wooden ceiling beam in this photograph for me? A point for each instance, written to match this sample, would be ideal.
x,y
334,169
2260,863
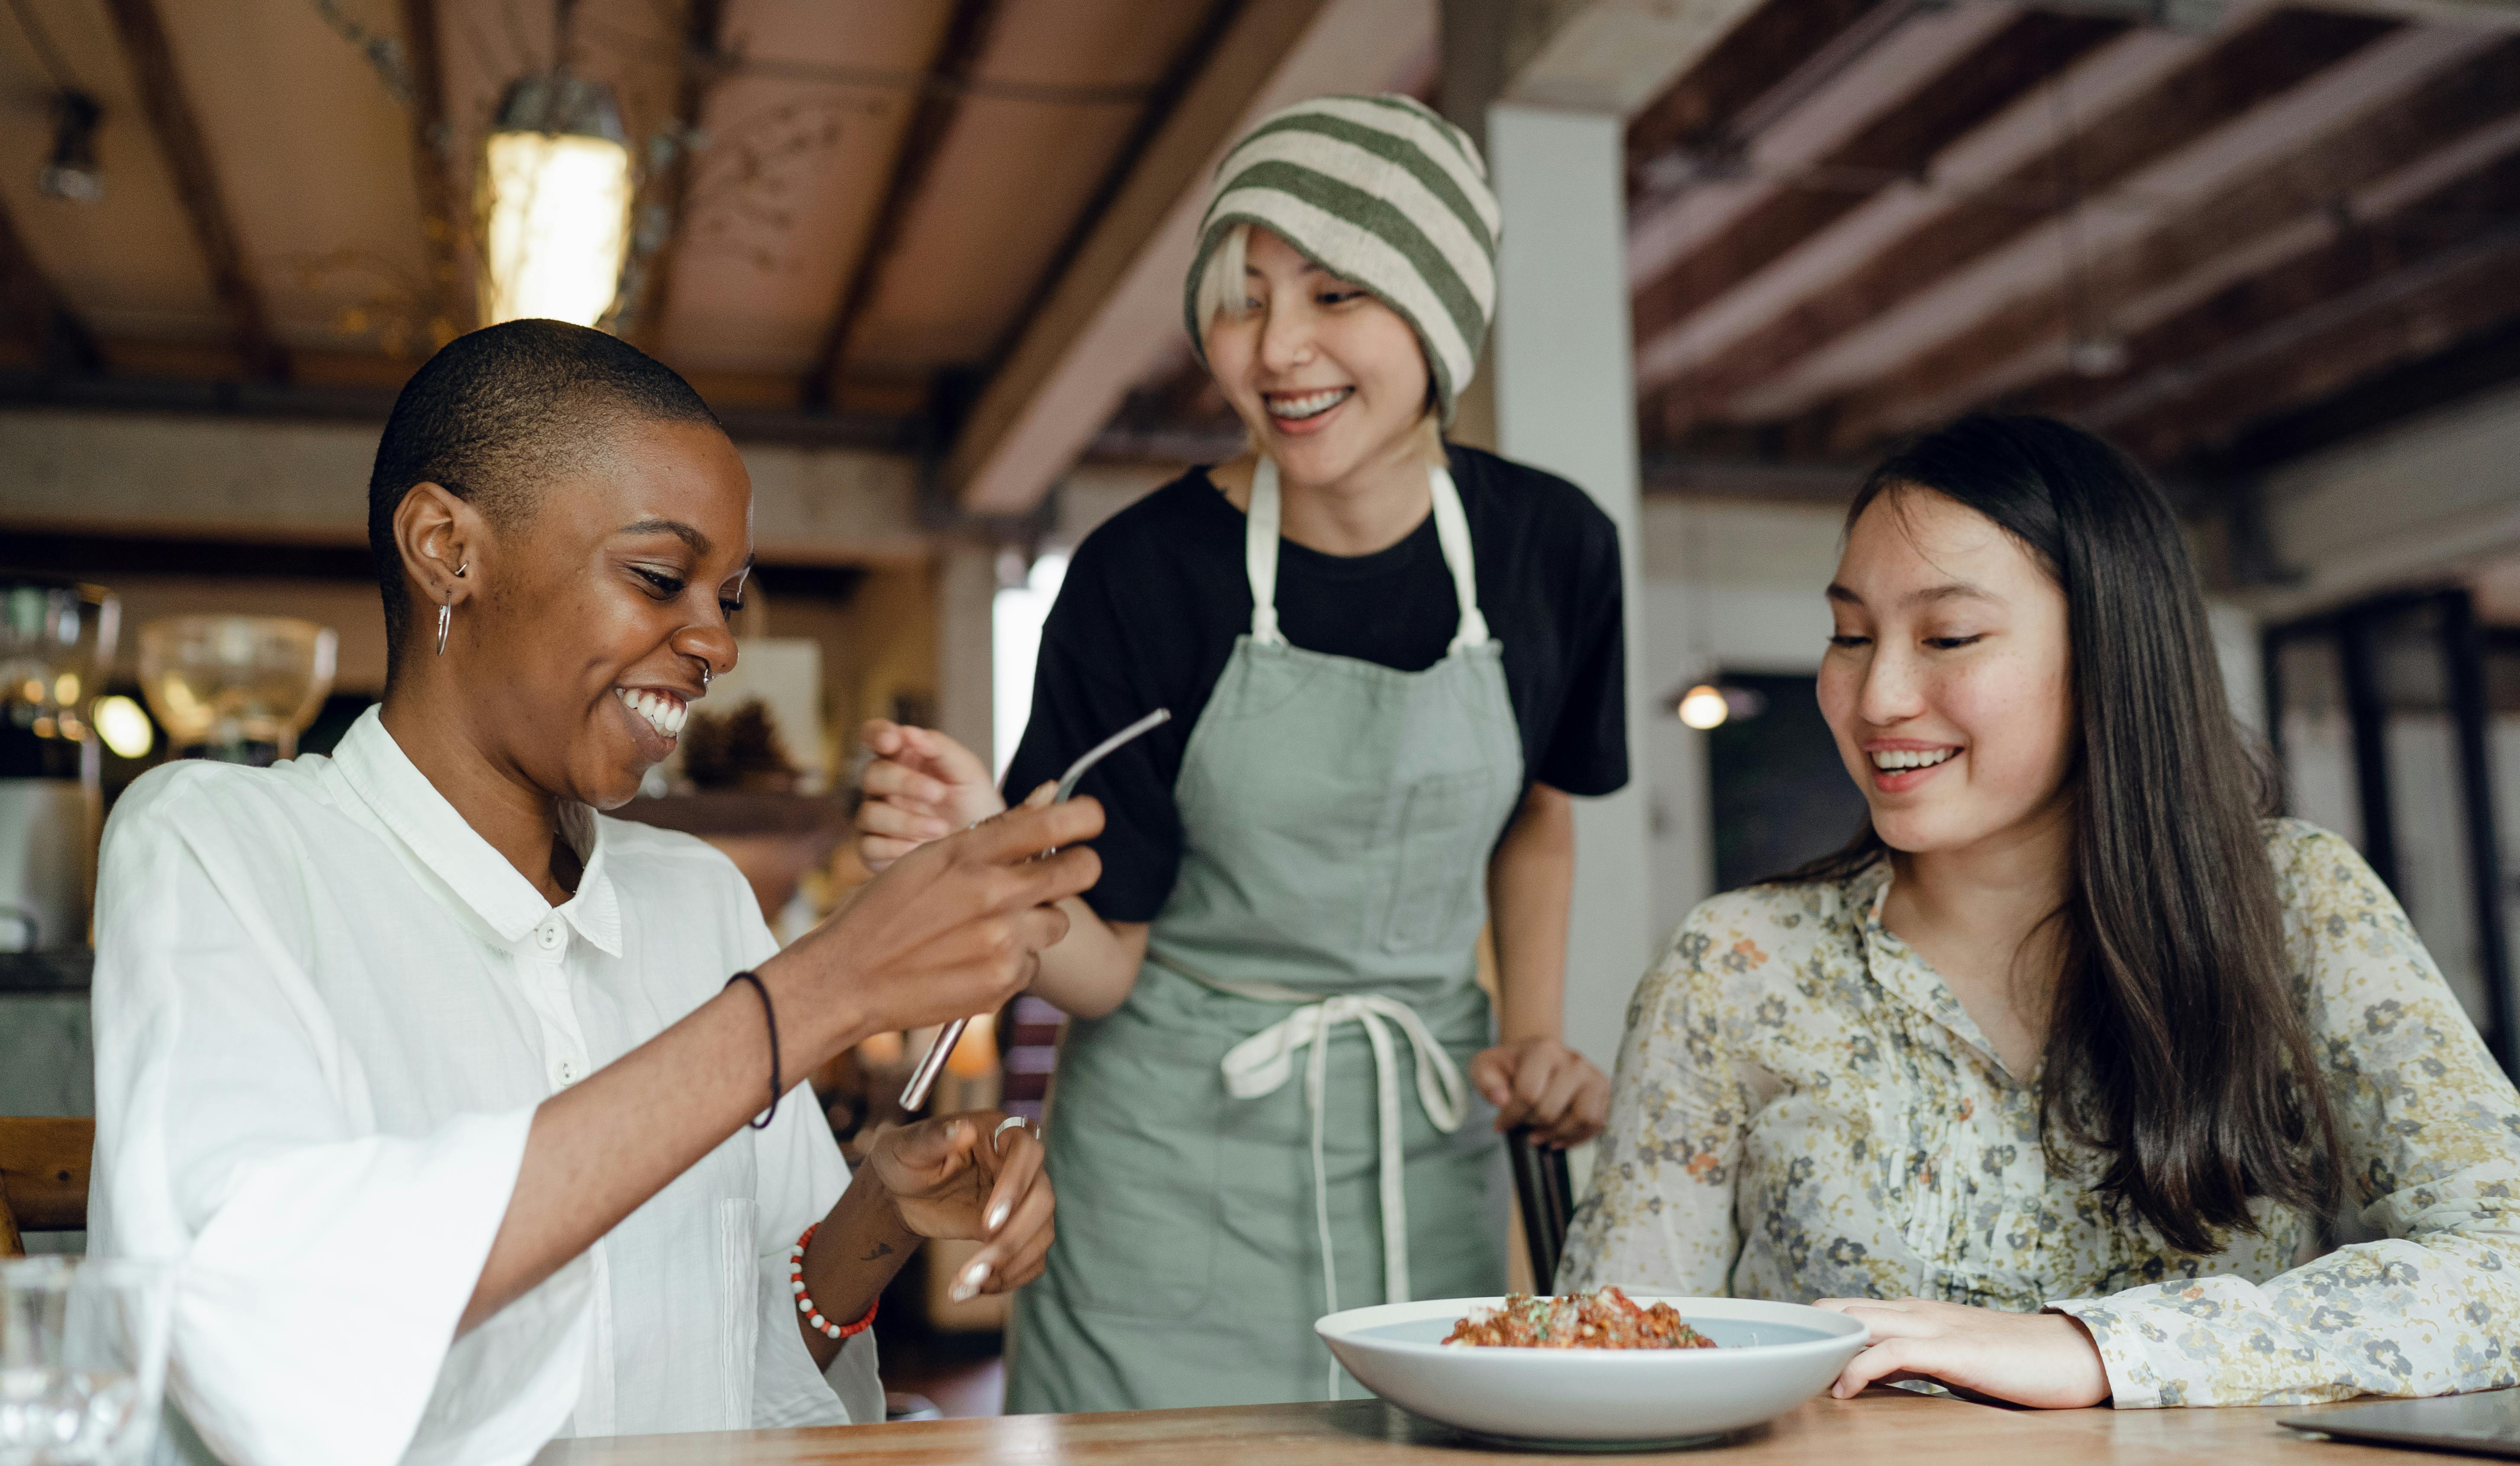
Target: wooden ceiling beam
x,y
1686,198
1157,109
2292,205
32,308
2478,364
1116,307
445,215
1700,112
178,133
642,317
2203,92
1615,57
1897,146
958,54
2442,269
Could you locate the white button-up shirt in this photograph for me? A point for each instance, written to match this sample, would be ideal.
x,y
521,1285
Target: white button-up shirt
x,y
326,1009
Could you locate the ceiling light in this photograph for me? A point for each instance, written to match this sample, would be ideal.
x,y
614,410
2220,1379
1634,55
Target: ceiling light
x,y
557,186
2097,355
72,173
1703,706
124,727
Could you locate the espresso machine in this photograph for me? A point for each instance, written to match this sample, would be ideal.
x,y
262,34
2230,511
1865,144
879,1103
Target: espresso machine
x,y
56,640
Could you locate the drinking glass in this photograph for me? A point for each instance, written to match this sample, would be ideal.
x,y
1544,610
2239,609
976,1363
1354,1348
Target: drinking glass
x,y
82,1359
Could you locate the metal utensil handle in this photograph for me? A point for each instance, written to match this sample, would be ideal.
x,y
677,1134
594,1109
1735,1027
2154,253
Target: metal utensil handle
x,y
914,1094
1098,753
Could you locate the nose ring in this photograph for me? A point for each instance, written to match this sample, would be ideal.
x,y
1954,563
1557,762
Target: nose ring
x,y
704,677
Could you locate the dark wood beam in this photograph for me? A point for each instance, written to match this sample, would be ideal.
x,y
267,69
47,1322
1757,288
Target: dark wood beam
x,y
1700,113
641,316
178,132
445,214
2481,362
2438,272
1038,407
1161,102
2259,62
2307,186
1896,145
32,308
966,36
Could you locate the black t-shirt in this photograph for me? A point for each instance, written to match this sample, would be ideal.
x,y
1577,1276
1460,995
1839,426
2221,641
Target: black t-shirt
x,y
1156,597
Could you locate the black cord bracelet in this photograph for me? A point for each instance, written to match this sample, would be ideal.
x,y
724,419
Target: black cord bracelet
x,y
771,1016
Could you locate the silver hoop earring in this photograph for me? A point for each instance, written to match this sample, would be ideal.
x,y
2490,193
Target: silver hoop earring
x,y
445,614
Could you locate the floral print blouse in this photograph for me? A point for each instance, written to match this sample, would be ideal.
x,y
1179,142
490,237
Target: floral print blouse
x,y
1803,1110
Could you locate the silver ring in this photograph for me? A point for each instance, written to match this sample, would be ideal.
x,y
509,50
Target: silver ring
x,y
1011,1122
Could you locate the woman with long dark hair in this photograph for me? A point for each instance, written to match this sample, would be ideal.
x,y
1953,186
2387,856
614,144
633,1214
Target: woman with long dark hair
x,y
2065,1074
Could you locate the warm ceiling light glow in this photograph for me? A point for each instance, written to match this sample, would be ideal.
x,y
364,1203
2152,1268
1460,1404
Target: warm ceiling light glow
x,y
1703,706
126,728
557,185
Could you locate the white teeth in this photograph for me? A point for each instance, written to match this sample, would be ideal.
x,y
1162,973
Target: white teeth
x,y
1310,405
1909,758
664,711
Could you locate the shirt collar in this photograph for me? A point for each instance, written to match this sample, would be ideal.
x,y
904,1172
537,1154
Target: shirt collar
x,y
438,836
1902,970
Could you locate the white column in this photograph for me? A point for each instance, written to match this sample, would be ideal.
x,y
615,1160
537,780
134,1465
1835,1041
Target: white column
x,y
1565,401
967,593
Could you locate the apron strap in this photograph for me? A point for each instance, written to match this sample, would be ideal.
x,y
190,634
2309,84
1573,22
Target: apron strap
x,y
1260,534
1263,1063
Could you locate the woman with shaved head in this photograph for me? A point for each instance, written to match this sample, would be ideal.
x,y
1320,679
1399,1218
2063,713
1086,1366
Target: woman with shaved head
x,y
467,1110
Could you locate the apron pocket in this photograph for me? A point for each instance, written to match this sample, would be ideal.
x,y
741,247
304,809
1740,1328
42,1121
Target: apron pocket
x,y
1435,879
1133,1149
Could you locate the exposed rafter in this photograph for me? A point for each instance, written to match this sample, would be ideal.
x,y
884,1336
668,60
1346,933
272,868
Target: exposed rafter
x,y
1196,54
1898,146
651,295
2443,270
2350,173
178,133
445,217
1117,304
2201,89
2479,364
966,36
1700,113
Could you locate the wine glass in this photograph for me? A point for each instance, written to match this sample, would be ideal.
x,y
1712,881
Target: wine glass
x,y
82,1359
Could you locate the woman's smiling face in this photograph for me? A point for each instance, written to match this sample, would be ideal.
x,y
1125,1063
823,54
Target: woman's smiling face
x,y
1327,378
598,613
1948,681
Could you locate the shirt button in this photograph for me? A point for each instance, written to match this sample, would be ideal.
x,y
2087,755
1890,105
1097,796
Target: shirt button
x,y
550,936
563,1073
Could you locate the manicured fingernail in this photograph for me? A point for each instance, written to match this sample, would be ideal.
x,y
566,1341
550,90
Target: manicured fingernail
x,y
998,1215
972,1277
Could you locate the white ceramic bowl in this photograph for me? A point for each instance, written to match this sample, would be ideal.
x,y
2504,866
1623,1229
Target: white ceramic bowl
x,y
1770,1356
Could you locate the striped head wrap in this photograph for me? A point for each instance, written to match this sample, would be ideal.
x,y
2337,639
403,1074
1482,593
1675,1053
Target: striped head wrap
x,y
1378,191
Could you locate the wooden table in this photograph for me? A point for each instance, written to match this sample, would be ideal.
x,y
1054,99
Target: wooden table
x,y
1891,1426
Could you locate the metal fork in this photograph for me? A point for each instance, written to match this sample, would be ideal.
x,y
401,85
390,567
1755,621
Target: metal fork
x,y
923,1079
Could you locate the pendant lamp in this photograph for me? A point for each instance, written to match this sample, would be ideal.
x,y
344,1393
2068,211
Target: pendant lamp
x,y
556,191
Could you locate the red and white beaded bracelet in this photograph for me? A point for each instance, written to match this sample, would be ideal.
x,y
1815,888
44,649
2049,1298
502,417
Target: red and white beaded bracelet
x,y
805,1302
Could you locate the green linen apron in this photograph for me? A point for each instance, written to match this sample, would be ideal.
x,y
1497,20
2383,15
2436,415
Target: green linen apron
x,y
1337,819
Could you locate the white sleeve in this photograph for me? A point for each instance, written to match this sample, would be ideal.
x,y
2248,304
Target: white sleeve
x,y
321,1269
801,1176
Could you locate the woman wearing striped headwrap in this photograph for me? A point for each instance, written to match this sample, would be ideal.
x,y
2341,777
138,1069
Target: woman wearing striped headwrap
x,y
1389,661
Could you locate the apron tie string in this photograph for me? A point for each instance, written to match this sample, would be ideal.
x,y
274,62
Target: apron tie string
x,y
1263,1063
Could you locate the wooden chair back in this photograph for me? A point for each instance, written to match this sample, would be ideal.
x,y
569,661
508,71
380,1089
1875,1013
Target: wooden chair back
x,y
43,1177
